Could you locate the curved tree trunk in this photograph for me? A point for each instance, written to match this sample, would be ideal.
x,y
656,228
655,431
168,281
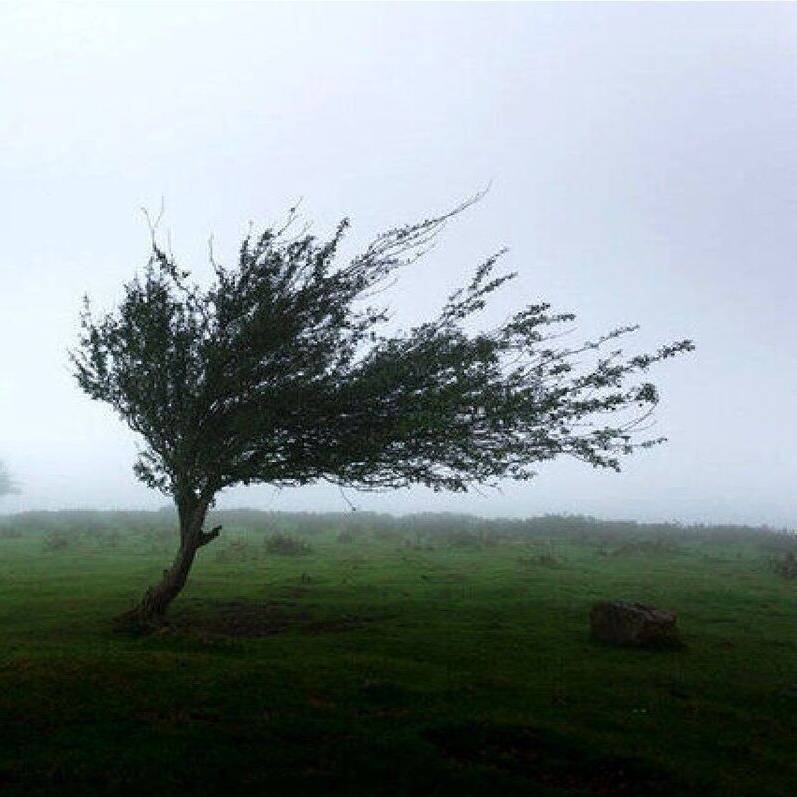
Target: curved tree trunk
x,y
157,598
152,608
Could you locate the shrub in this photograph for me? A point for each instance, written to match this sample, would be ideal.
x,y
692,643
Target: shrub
x,y
785,566
285,545
58,541
778,542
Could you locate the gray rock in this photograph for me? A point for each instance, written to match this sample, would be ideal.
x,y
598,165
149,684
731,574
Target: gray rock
x,y
633,625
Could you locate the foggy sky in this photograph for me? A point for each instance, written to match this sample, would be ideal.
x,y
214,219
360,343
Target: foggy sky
x,y
643,160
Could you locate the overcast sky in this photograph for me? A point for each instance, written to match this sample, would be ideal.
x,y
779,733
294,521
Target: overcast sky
x,y
644,165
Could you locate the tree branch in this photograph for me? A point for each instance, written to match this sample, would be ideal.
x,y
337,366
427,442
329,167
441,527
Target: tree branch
x,y
208,536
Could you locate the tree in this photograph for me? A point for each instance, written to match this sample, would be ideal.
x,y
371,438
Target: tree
x,y
281,372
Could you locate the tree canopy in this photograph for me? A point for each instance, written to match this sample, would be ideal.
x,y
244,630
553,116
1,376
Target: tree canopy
x,y
276,373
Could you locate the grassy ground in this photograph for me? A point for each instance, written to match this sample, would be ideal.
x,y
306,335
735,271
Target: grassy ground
x,y
392,662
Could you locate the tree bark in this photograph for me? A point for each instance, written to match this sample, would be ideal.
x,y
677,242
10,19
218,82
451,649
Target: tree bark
x,y
152,608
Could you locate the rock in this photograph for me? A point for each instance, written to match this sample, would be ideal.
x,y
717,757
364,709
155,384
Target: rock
x,y
633,624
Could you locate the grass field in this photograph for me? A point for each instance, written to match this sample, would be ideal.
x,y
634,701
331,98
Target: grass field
x,y
427,656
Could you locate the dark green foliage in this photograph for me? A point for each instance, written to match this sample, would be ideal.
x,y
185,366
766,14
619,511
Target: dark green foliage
x,y
278,373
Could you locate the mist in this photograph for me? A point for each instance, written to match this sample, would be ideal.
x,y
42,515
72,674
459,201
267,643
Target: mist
x,y
642,164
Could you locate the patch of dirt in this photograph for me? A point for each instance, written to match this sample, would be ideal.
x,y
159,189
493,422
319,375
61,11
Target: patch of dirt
x,y
242,618
544,759
346,622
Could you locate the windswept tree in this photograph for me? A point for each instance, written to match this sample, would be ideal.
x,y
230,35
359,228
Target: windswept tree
x,y
282,372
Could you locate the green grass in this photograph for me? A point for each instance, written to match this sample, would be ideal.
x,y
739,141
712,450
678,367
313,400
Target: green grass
x,y
393,663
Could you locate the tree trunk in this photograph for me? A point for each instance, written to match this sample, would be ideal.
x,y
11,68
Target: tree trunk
x,y
151,610
157,598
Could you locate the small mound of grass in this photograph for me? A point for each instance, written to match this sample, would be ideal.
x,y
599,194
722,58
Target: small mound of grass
x,y
244,618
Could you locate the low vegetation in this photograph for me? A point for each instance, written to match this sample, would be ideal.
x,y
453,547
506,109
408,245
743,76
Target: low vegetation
x,y
285,545
785,566
427,654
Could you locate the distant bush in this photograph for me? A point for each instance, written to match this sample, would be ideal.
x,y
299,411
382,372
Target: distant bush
x,y
785,566
10,533
465,538
285,545
777,542
460,539
647,547
58,541
541,560
158,528
306,524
